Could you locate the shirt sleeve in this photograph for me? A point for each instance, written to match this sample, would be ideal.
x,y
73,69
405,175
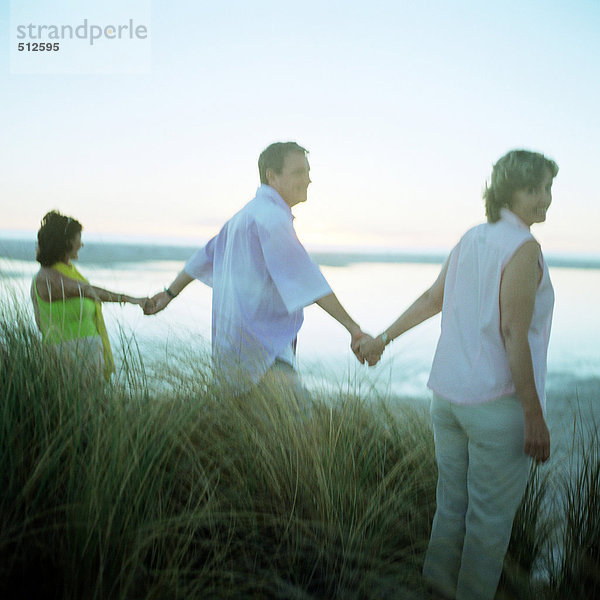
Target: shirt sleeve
x,y
200,264
296,276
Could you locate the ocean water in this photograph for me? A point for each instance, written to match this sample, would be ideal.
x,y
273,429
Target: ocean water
x,y
374,289
374,292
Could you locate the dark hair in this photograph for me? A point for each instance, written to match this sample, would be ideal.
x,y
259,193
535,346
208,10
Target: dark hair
x,y
515,171
273,156
55,237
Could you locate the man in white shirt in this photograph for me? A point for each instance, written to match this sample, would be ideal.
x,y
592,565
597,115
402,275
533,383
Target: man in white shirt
x,y
262,277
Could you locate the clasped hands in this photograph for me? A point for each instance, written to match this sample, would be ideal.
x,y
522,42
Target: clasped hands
x,y
150,306
367,348
157,303
125,299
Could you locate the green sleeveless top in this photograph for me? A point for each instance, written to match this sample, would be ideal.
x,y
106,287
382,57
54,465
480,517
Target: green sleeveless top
x,y
69,319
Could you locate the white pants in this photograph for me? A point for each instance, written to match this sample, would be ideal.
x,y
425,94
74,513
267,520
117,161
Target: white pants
x,y
483,471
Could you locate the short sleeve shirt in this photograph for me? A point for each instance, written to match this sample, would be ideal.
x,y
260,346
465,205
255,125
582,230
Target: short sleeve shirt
x,y
262,278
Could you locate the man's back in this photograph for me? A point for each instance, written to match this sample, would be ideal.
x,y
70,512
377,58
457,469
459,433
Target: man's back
x,y
262,277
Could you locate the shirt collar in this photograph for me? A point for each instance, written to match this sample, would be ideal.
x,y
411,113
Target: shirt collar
x,y
510,217
269,193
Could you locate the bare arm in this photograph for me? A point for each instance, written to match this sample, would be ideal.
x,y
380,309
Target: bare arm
x,y
332,306
52,286
425,306
160,301
102,295
517,297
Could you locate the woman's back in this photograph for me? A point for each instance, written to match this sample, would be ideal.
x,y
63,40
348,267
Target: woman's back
x,y
61,319
471,365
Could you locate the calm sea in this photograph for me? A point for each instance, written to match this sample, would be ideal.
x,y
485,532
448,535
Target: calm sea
x,y
375,288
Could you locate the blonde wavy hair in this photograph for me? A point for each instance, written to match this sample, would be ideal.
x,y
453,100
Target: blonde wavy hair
x,y
516,170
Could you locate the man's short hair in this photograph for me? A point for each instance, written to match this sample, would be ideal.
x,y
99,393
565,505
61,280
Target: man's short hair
x,y
273,157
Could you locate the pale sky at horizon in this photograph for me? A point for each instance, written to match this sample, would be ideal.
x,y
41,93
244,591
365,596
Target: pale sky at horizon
x,y
403,106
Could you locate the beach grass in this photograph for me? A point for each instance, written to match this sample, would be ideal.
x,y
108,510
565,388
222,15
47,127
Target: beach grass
x,y
161,485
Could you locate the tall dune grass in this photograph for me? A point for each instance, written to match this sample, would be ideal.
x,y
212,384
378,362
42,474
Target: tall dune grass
x,y
163,486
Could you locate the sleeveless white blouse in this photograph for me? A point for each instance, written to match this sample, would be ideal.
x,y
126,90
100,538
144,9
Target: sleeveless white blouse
x,y
470,365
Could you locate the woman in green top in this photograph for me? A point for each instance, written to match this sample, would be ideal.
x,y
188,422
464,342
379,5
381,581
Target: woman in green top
x,y
68,310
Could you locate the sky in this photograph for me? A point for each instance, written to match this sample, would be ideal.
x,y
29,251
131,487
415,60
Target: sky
x,y
404,107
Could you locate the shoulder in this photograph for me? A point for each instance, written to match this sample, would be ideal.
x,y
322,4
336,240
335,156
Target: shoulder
x,y
240,221
523,265
259,209
501,235
527,253
269,216
521,276
46,275
472,237
510,233
477,230
43,281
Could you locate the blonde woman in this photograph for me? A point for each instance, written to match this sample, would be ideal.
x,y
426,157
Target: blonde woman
x,y
487,377
67,308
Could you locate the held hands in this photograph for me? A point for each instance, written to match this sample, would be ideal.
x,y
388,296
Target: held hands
x,y
133,300
139,301
157,303
355,339
364,347
371,349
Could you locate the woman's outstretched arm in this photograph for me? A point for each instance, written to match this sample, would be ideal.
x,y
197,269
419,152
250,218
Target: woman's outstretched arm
x,y
53,286
425,306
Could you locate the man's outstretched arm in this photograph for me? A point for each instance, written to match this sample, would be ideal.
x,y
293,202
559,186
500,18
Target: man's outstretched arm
x,y
331,305
160,301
